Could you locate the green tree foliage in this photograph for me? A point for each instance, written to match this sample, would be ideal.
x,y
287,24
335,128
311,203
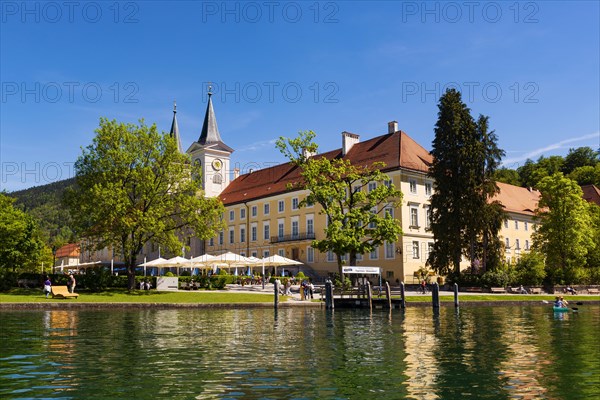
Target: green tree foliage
x,y
564,233
580,157
21,248
586,175
592,264
530,269
134,187
507,175
44,204
466,156
358,221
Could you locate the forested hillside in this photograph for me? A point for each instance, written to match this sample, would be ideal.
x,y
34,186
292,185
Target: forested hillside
x,y
44,204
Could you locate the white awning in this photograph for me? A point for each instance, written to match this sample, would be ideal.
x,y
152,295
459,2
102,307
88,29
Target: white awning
x,y
361,270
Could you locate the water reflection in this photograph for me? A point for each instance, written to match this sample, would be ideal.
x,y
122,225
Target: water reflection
x,y
483,353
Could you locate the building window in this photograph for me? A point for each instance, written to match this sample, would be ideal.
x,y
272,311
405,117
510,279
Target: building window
x,y
359,257
526,244
254,211
330,257
525,225
211,242
295,203
372,225
231,215
388,183
309,204
517,247
281,206
374,255
242,234
295,230
221,237
310,226
266,209
254,254
266,231
253,232
516,225
281,252
414,217
429,248
388,211
266,253
389,250
310,254
280,230
372,186
413,186
231,236
415,249
427,217
243,213
507,244
428,188
506,223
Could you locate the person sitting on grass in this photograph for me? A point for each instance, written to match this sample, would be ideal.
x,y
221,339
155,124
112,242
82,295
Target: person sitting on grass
x,y
570,290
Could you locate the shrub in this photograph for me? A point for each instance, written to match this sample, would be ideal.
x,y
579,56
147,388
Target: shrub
x,y
498,278
530,269
300,275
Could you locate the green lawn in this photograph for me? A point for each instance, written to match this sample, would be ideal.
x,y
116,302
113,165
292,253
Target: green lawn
x,y
139,296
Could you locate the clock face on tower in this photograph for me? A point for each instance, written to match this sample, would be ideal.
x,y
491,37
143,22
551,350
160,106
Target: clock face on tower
x,y
217,164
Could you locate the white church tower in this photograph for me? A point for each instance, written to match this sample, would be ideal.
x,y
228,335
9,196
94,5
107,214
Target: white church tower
x,y
212,154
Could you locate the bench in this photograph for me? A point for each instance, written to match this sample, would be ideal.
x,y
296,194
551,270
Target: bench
x,y
593,291
535,290
61,292
498,290
472,289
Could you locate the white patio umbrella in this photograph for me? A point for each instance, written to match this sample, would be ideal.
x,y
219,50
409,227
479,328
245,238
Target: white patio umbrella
x,y
178,262
230,260
154,263
203,261
276,261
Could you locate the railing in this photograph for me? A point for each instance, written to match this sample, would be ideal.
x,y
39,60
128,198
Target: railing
x,y
291,238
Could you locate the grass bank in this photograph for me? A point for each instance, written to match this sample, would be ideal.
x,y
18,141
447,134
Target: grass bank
x,y
139,296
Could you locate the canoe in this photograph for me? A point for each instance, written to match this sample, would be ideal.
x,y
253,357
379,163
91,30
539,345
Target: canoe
x,y
560,309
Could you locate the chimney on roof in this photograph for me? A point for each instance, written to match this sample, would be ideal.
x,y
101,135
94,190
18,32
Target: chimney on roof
x,y
307,154
392,126
348,140
236,173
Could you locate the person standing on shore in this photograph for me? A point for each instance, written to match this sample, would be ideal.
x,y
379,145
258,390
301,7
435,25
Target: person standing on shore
x,y
72,283
47,286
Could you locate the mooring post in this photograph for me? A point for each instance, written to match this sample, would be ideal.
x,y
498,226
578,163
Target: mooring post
x,y
388,295
456,295
435,296
276,286
403,300
328,294
369,295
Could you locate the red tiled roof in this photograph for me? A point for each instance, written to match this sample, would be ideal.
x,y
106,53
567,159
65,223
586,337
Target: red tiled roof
x,y
517,199
591,194
396,150
68,250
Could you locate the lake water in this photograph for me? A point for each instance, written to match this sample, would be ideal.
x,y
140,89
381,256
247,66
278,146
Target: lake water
x,y
496,352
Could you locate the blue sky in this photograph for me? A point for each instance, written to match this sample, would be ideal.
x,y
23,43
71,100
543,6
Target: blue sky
x,y
281,67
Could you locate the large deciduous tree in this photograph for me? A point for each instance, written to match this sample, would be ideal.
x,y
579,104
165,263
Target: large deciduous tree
x,y
133,186
565,229
464,220
359,220
20,245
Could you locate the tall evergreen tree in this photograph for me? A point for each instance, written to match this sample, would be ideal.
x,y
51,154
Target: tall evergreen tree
x,y
466,156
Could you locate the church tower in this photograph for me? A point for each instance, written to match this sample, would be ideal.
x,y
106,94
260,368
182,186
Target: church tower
x,y
212,154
